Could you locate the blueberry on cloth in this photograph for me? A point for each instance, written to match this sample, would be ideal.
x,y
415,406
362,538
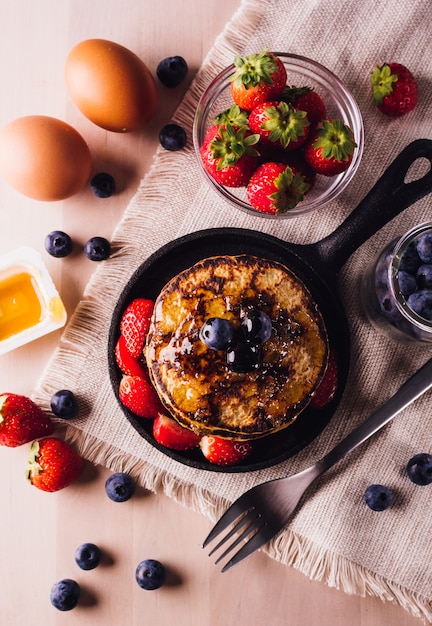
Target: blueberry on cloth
x,y
119,487
217,333
378,497
172,137
419,469
150,574
65,594
424,247
171,71
102,185
421,303
87,556
58,244
257,326
64,404
97,249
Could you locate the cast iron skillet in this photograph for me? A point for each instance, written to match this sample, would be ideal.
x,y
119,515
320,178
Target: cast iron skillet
x,y
318,265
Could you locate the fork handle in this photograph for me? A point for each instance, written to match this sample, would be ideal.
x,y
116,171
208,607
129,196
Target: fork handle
x,y
412,389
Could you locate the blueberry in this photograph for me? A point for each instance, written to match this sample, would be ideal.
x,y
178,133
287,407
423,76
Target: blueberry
x,y
424,277
171,71
419,469
257,326
64,404
97,249
102,185
378,497
172,137
244,357
87,556
407,283
150,574
421,303
424,247
58,244
65,594
410,259
217,333
119,487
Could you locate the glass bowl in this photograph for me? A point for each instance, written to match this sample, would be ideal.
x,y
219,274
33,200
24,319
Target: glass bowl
x,y
340,104
386,288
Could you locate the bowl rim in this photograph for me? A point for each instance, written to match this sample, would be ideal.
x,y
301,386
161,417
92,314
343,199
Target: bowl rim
x,y
338,183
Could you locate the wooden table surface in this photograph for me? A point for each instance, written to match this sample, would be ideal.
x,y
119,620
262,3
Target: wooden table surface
x,y
39,532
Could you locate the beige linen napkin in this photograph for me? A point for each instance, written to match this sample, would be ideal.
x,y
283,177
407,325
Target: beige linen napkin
x,y
334,537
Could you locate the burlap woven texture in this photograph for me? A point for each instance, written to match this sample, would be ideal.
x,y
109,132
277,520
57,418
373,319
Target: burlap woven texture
x,y
334,536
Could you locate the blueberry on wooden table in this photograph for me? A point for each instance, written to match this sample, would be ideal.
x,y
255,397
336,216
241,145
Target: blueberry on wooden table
x,y
150,574
102,185
58,244
172,70
97,249
88,556
119,487
65,594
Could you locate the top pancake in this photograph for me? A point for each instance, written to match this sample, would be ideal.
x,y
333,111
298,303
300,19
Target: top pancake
x,y
196,384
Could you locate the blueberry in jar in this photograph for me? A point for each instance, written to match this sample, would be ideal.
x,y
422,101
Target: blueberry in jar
x,y
424,277
407,283
410,260
424,247
421,303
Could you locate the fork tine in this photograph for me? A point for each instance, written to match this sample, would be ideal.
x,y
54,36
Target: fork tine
x,y
242,520
250,528
260,538
227,518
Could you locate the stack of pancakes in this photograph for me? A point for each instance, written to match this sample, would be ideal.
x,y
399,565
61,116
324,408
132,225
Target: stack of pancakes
x,y
197,385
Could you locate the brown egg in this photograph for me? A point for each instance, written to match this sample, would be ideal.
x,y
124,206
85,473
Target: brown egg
x,y
44,158
110,85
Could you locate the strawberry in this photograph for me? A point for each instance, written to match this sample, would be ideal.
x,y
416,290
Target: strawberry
x,y
330,148
394,89
127,364
279,124
53,464
258,78
224,451
135,323
275,188
308,100
21,420
327,388
139,396
228,155
233,116
170,434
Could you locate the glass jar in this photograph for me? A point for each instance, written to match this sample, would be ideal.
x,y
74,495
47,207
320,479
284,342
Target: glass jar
x,y
396,291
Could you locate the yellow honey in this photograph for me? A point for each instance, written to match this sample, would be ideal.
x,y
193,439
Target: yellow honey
x,y
21,305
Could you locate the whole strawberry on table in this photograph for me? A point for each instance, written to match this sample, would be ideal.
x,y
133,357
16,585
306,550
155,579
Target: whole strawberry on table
x,y
275,138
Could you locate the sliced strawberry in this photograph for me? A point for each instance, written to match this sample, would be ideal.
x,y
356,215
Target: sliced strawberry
x,y
22,420
228,154
275,188
279,124
328,386
127,364
224,451
139,396
135,323
170,434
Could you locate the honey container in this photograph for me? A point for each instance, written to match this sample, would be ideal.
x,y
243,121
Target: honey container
x,y
30,305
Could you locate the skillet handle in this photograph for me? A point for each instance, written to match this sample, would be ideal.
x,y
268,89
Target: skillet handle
x,y
388,197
